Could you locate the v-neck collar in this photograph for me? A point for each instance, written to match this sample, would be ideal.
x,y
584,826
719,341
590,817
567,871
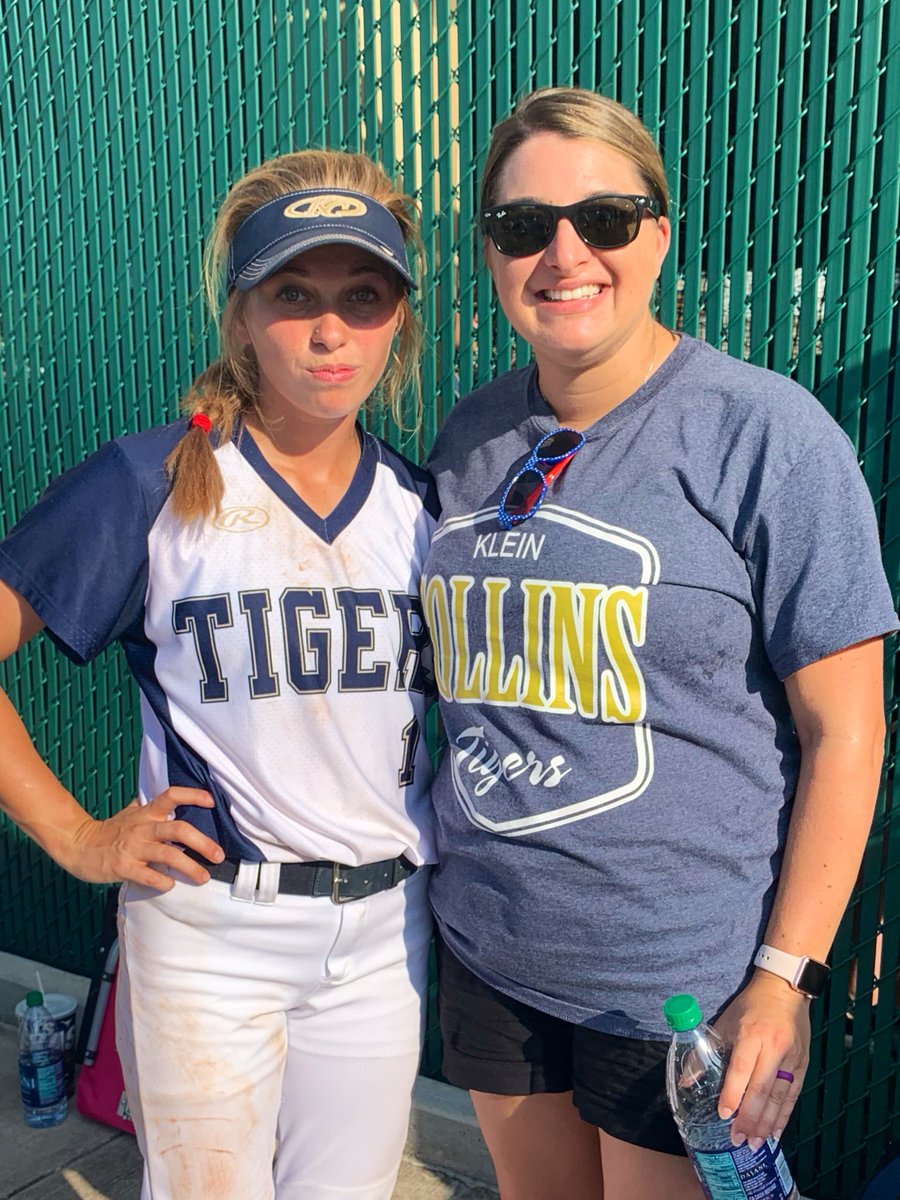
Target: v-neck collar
x,y
330,527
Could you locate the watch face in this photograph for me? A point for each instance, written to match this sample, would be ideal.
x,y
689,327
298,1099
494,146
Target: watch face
x,y
813,978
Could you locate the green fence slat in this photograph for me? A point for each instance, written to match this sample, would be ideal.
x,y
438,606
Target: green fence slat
x,y
431,189
500,28
544,74
335,76
693,272
391,153
860,1060
762,310
497,337
531,71
629,82
448,333
737,339
316,94
523,42
607,35
471,337
814,141
672,107
718,186
564,57
865,128
884,325
371,98
838,185
492,340
406,44
884,1091
353,59
882,268
650,68
786,194
442,194
587,15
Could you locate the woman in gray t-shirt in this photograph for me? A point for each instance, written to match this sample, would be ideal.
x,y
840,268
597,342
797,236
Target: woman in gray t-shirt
x,y
657,643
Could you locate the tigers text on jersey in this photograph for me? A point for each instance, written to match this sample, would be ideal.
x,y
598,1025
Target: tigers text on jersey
x,y
280,655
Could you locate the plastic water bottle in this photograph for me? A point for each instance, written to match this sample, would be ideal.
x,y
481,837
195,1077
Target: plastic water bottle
x,y
41,1071
695,1069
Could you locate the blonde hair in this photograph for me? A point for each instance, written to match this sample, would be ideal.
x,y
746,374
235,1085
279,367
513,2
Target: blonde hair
x,y
229,386
575,113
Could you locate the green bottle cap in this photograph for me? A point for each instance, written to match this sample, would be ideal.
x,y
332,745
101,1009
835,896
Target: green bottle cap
x,y
682,1012
33,999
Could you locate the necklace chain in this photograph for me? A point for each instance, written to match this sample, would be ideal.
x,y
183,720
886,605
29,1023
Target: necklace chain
x,y
652,357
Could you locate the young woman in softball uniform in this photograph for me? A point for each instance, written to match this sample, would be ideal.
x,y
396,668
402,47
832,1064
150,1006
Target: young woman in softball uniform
x,y
259,562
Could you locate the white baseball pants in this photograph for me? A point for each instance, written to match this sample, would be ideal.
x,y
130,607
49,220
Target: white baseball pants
x,y
242,1025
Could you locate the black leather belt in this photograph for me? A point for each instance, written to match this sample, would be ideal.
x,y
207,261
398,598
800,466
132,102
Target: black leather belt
x,y
321,878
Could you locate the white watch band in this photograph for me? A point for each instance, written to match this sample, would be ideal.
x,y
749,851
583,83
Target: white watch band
x,y
779,962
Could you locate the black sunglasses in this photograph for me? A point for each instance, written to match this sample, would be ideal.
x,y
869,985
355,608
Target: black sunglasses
x,y
604,222
528,487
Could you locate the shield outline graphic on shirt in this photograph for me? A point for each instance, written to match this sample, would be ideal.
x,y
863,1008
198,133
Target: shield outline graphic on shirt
x,y
624,793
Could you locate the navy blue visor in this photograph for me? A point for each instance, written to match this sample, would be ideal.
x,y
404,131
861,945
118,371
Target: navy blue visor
x,y
281,229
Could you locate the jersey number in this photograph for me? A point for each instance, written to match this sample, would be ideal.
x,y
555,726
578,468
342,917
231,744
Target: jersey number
x,y
407,771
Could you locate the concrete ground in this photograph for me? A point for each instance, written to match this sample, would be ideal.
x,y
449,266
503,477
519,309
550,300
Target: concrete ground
x,y
83,1160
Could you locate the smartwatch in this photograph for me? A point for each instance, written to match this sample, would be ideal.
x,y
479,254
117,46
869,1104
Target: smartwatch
x,y
805,975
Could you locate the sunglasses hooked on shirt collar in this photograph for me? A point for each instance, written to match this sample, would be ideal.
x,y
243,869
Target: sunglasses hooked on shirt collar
x,y
605,222
526,490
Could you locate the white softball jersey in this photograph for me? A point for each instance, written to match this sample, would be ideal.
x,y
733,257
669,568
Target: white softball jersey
x,y
280,656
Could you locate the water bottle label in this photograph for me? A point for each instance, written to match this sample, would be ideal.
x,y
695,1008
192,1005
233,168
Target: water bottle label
x,y
740,1173
41,1080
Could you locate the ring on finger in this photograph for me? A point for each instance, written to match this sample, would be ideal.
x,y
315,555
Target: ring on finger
x,y
785,1075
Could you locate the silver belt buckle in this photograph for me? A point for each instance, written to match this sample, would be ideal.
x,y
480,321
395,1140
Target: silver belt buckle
x,y
336,880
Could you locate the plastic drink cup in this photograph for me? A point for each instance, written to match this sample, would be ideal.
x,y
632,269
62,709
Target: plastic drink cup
x,y
63,1009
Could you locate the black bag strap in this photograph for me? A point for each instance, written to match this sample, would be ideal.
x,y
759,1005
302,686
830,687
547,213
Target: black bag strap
x,y
99,983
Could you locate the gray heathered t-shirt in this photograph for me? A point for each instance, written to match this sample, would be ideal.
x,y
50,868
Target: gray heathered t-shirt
x,y
615,793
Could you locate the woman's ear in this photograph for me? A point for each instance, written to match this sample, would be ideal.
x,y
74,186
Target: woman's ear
x,y
402,313
233,326
663,241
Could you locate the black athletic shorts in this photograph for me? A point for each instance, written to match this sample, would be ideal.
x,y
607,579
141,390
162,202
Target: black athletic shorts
x,y
493,1043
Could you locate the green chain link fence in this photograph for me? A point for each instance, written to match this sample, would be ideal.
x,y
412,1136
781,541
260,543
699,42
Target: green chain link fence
x,y
122,123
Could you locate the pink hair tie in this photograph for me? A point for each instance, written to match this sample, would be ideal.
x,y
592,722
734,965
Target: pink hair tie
x,y
202,421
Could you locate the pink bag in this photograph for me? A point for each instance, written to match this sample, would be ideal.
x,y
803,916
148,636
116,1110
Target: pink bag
x,y
100,1091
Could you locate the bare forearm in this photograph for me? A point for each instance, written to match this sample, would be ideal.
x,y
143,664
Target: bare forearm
x,y
768,1021
830,823
839,716
32,795
837,709
128,845
124,846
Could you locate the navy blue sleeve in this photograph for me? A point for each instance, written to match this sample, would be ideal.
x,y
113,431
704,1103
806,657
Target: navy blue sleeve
x,y
79,556
414,478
